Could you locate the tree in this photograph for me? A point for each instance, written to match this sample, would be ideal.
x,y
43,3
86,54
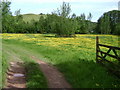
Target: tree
x,y
50,23
104,25
65,27
41,24
83,28
64,10
89,24
89,17
6,16
108,22
19,24
73,16
63,24
117,29
0,17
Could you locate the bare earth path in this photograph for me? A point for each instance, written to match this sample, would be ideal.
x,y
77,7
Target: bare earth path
x,y
16,75
54,77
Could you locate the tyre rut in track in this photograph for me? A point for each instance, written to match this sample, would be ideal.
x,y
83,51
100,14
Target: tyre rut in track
x,y
16,77
54,77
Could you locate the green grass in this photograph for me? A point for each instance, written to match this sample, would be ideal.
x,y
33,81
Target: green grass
x,y
4,69
78,66
35,78
3,65
29,17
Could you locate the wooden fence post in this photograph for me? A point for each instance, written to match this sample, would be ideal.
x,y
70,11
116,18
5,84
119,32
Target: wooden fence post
x,y
97,46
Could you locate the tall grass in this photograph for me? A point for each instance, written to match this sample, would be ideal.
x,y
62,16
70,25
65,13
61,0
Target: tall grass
x,y
35,78
4,69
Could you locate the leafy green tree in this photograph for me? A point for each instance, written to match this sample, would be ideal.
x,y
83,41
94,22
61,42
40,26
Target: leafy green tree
x,y
0,17
73,16
89,24
117,29
19,24
89,17
59,22
104,25
64,10
50,23
41,24
76,23
108,22
6,17
64,25
84,24
83,28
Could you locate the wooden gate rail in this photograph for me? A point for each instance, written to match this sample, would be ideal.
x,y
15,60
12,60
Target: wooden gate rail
x,y
101,55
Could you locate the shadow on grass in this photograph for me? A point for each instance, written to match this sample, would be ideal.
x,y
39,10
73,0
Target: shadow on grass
x,y
59,36
87,74
49,36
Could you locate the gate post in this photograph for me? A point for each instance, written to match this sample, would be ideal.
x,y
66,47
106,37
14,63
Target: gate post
x,y
97,46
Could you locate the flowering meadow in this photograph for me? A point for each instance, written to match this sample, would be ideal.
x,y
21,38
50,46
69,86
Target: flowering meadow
x,y
73,56
84,42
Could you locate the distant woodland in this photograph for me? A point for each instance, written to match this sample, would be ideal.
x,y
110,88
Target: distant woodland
x,y
59,22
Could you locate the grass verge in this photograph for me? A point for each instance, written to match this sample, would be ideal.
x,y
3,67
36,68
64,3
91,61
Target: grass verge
x,y
35,78
4,69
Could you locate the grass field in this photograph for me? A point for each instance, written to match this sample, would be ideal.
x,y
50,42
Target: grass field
x,y
74,57
29,17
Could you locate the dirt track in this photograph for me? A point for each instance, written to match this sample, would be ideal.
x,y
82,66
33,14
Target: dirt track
x,y
16,75
54,77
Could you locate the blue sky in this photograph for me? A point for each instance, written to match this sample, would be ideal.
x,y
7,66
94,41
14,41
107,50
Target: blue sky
x,y
96,7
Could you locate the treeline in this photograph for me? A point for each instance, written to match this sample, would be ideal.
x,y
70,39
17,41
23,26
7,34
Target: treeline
x,y
109,23
60,22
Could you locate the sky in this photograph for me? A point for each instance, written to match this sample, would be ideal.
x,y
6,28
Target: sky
x,y
96,7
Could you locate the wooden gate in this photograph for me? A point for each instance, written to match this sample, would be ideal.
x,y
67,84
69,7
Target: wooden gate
x,y
101,57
